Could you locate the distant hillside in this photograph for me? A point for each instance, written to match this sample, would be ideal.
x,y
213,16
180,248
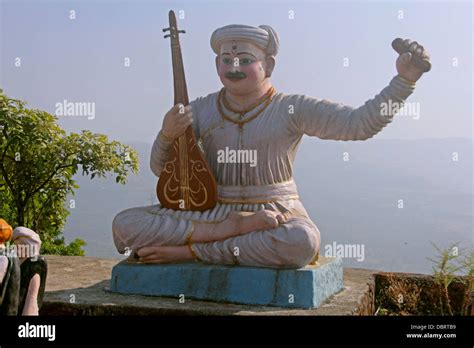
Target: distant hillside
x,y
353,202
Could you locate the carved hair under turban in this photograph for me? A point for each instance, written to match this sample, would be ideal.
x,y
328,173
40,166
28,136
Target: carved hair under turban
x,y
263,36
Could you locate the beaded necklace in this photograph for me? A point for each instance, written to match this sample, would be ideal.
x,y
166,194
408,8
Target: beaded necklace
x,y
266,100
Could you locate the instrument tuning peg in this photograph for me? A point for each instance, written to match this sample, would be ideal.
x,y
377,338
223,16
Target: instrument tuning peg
x,y
167,35
182,31
166,29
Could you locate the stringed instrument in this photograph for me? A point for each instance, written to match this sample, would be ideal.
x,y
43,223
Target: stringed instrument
x,y
186,182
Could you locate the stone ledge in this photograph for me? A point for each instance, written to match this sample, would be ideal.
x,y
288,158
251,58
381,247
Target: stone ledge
x,y
87,279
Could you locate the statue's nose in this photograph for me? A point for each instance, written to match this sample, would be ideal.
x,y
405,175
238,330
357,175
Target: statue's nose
x,y
235,65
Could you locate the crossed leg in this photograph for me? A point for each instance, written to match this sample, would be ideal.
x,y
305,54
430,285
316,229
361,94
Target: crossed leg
x,y
237,223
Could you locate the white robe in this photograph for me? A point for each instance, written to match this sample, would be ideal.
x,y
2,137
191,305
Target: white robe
x,y
275,135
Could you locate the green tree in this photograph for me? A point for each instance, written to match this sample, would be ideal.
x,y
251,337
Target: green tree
x,y
37,163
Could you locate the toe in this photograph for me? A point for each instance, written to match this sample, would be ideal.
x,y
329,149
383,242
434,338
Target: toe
x,y
272,220
280,218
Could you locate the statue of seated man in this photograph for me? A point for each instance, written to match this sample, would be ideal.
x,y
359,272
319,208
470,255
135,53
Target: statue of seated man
x,y
250,134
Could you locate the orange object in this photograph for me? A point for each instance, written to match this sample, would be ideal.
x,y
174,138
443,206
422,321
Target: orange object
x,y
6,231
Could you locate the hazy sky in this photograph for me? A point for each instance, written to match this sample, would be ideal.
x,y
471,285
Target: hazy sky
x,y
82,60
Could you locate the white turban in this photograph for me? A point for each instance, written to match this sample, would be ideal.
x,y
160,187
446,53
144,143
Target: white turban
x,y
26,236
263,36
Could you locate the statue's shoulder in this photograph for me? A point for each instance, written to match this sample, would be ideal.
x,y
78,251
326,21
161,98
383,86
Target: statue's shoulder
x,y
208,101
298,101
291,102
288,99
293,97
204,109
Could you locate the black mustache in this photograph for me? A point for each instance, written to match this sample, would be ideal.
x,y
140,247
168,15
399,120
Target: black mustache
x,y
235,75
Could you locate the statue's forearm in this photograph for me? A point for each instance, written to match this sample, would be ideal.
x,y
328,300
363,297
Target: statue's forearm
x,y
335,121
159,153
376,113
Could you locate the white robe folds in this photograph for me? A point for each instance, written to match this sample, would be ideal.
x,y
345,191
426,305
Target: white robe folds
x,y
267,184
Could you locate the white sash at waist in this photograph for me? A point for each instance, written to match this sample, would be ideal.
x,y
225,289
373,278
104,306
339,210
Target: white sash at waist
x,y
258,193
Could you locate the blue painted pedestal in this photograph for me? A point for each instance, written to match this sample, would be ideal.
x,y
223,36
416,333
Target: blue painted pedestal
x,y
306,287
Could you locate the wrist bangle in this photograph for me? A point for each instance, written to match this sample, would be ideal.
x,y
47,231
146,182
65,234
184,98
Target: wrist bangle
x,y
404,80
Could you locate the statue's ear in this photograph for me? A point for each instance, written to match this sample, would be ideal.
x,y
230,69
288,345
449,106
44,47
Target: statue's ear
x,y
269,65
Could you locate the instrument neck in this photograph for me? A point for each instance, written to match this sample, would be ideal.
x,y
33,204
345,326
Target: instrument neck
x,y
180,88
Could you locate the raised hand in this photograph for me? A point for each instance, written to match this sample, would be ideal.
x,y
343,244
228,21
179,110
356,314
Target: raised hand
x,y
413,59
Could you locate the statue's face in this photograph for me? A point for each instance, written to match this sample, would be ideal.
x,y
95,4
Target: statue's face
x,y
241,66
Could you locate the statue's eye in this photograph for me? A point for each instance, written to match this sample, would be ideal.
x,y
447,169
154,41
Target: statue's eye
x,y
246,61
227,61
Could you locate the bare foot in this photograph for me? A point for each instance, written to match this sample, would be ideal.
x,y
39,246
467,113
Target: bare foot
x,y
164,254
237,223
245,222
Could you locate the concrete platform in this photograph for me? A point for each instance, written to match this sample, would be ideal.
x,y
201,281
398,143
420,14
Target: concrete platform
x,y
306,287
80,286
